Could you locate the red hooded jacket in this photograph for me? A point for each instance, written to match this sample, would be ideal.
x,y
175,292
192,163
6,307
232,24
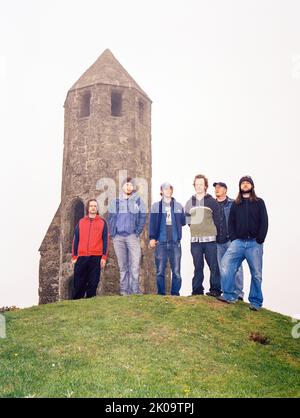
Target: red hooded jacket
x,y
90,238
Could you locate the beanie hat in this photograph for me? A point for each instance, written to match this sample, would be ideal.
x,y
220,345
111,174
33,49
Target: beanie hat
x,y
246,178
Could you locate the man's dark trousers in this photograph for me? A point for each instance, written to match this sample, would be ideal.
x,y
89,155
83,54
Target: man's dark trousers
x,y
86,276
208,250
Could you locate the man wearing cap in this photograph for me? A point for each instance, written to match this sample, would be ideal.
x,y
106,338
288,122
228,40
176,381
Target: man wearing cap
x,y
202,216
126,221
223,241
248,226
165,232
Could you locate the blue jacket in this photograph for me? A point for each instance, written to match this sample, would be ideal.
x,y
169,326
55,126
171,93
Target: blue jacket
x,y
137,213
156,217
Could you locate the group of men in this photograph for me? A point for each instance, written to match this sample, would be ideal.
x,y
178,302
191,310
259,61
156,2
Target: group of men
x,y
224,232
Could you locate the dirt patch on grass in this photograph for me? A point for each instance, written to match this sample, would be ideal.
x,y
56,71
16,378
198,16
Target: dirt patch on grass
x,y
259,338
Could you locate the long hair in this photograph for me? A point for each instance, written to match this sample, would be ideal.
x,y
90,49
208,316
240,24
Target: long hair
x,y
252,197
88,205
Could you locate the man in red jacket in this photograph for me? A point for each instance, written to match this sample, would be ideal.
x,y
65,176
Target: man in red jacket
x,y
89,254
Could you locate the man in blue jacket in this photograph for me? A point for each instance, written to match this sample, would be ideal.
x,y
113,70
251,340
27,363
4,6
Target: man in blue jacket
x,y
126,221
165,232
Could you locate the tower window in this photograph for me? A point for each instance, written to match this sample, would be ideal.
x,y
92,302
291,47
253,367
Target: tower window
x,y
85,104
116,104
141,111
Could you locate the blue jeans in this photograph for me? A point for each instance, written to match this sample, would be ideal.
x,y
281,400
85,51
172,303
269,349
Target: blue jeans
x,y
238,251
165,251
239,277
128,252
208,250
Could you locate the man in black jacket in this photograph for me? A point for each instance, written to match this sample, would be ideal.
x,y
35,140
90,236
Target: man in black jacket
x,y
223,241
248,226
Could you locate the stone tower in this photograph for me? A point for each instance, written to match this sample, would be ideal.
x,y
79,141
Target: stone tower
x,y
107,137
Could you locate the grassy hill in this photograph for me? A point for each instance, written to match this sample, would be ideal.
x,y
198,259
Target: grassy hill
x,y
148,346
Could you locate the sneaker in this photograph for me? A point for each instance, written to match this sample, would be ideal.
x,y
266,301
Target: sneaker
x,y
213,294
222,299
254,308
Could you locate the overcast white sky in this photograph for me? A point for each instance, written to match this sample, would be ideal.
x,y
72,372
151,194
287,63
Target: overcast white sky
x,y
224,77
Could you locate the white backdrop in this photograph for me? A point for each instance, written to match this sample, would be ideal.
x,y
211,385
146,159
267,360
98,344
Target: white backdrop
x,y
224,77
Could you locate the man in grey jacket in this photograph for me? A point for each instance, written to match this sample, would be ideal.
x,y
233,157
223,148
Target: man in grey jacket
x,y
126,221
202,216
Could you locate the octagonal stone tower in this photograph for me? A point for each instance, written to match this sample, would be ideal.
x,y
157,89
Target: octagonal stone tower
x,y
107,137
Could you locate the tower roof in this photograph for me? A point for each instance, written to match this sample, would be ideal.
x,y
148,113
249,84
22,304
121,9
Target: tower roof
x,y
107,70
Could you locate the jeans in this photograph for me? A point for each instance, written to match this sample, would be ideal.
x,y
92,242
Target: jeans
x,y
86,276
128,252
239,277
238,251
208,250
165,251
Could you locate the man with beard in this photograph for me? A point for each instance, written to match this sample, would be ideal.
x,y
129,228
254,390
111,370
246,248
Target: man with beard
x,y
126,221
248,226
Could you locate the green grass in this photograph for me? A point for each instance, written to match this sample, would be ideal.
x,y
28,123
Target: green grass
x,y
147,346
